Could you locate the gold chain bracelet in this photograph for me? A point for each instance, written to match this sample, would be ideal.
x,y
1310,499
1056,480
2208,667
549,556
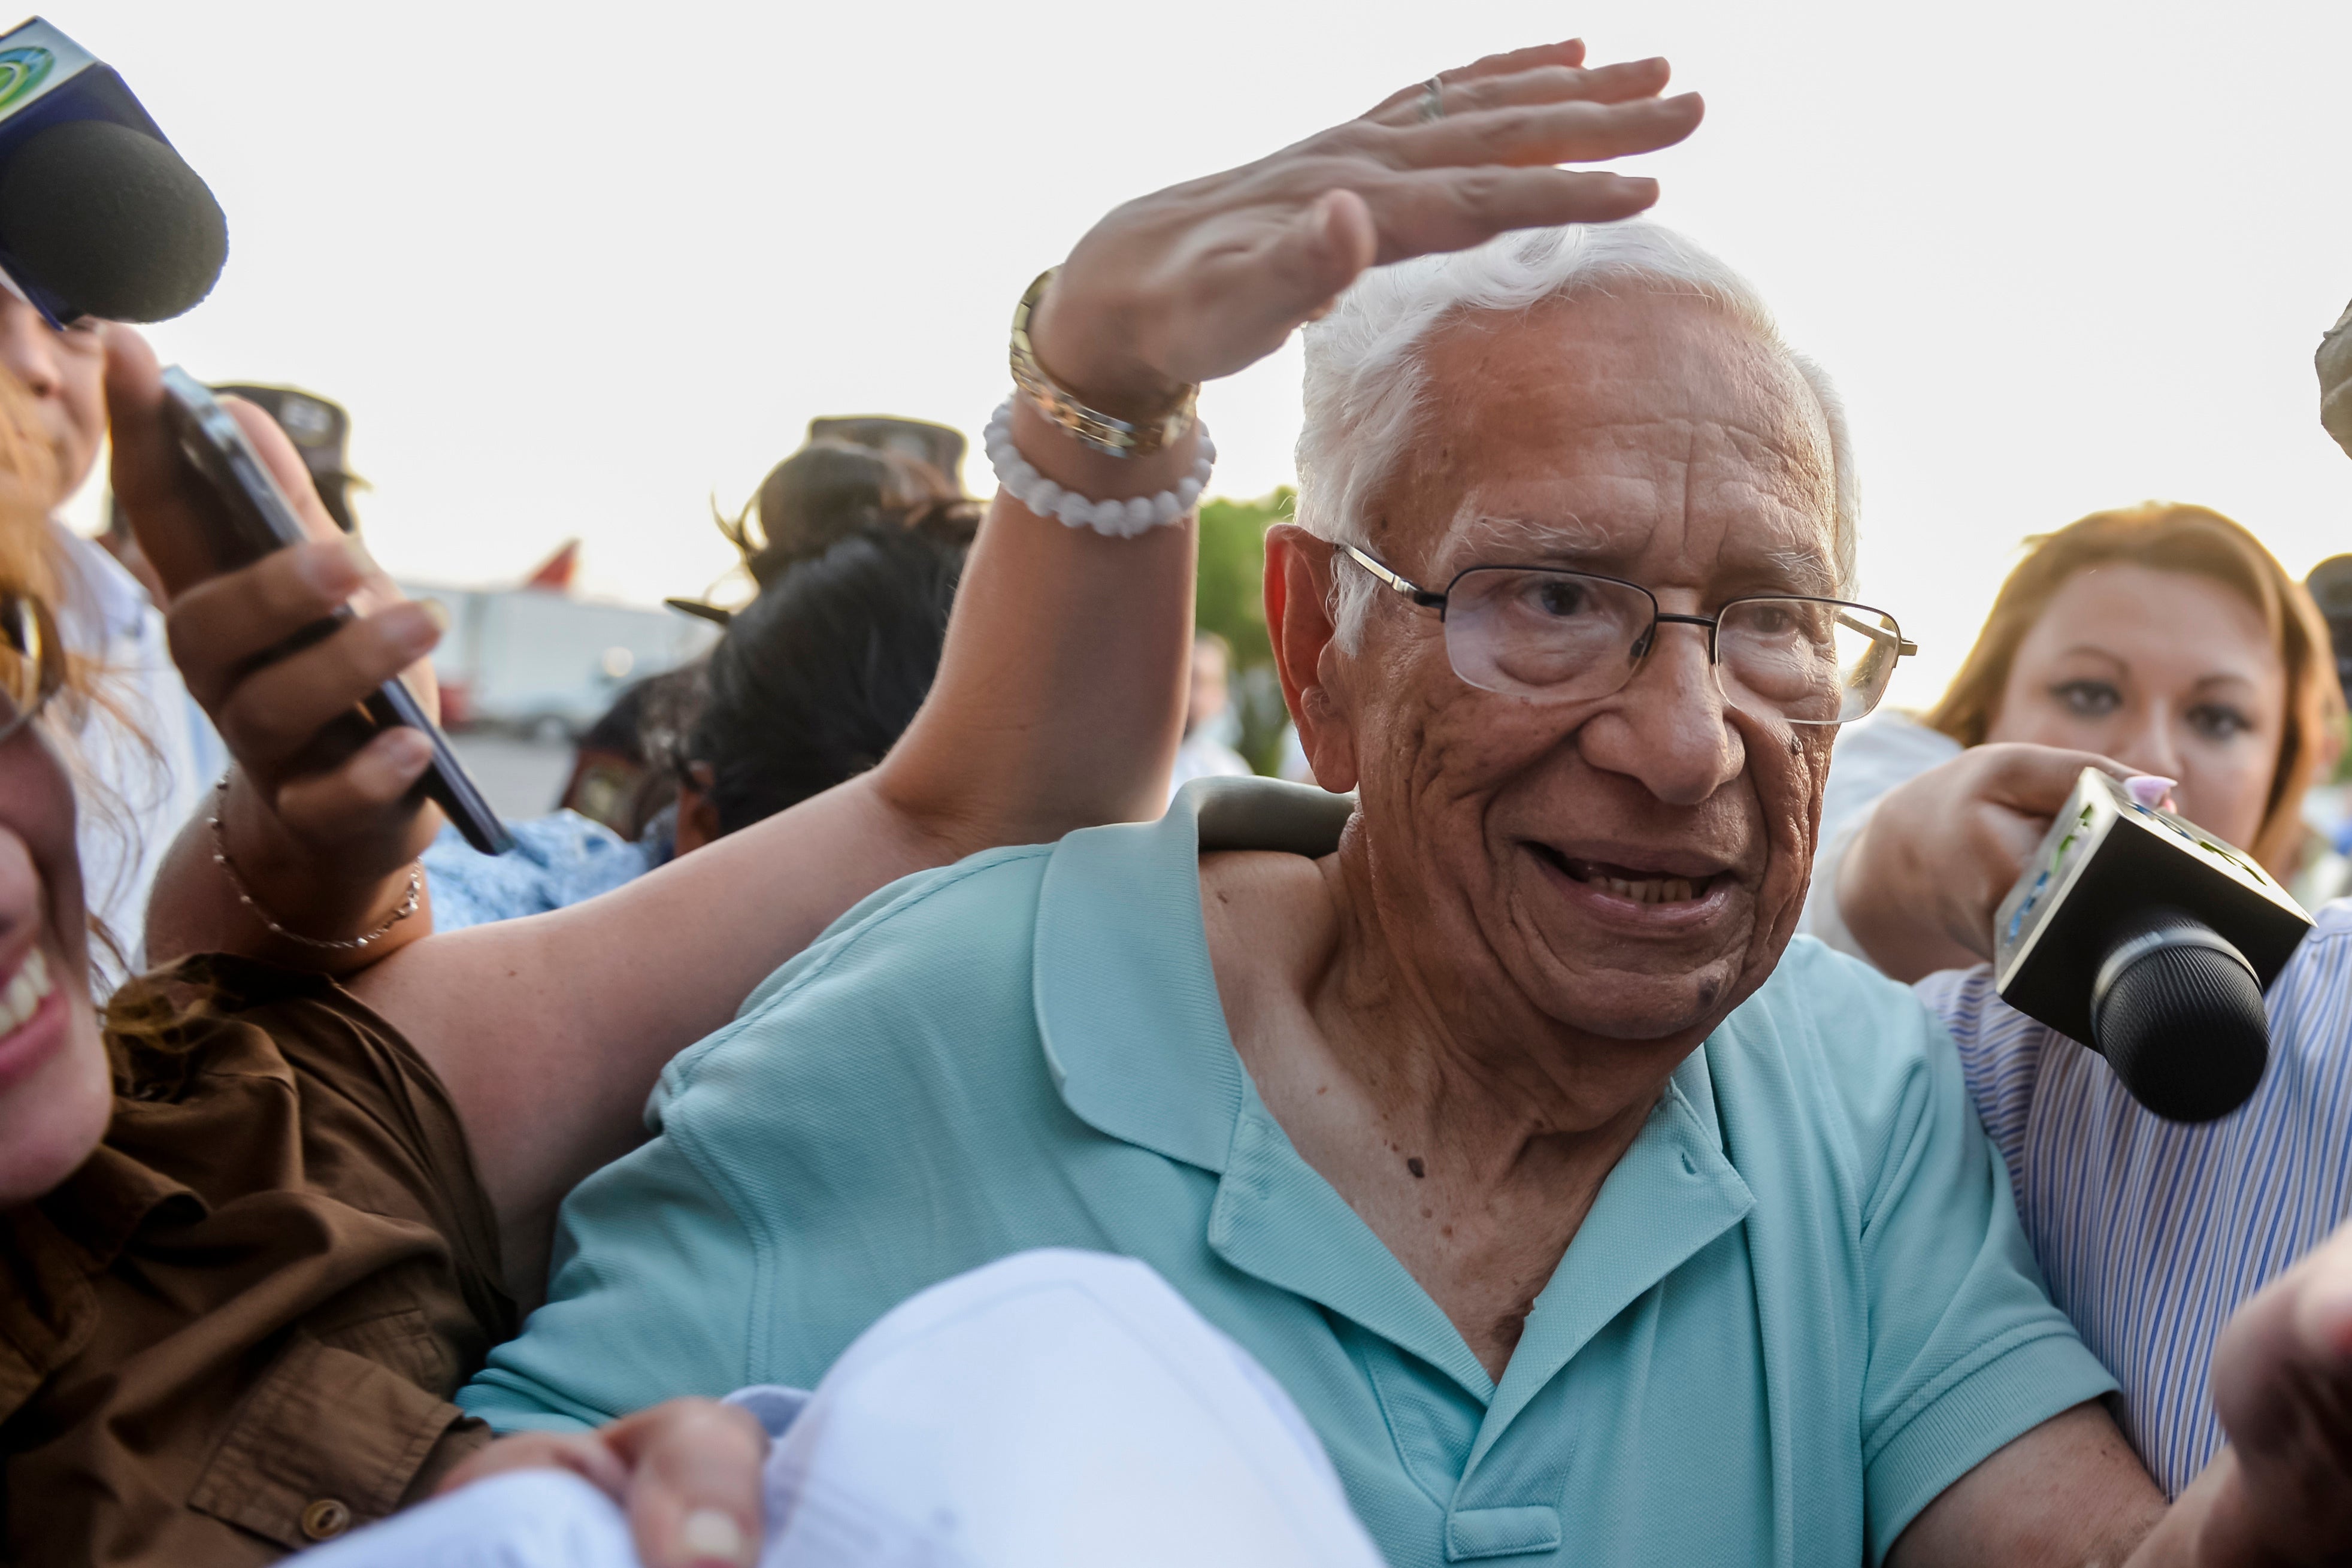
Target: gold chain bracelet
x,y
1103,432
331,944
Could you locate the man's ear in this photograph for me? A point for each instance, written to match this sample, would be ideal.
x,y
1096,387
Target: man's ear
x,y
697,819
1298,620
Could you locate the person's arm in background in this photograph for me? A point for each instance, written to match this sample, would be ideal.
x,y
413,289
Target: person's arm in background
x,y
1872,757
1063,679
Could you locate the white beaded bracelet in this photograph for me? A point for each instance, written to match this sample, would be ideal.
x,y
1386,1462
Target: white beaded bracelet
x,y
1118,519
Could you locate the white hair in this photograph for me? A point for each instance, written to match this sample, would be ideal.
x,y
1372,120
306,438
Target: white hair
x,y
1366,386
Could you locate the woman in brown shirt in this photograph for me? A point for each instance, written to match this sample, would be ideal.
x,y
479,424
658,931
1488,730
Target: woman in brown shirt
x,y
248,1307
247,1248
257,1225
244,1256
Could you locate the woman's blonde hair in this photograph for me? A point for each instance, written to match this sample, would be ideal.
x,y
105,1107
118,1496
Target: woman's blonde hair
x,y
32,568
2170,537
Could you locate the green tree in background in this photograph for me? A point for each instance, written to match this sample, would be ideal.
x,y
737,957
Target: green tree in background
x,y
1232,603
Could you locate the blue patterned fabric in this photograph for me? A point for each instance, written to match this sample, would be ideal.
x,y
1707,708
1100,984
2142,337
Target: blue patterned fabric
x,y
557,860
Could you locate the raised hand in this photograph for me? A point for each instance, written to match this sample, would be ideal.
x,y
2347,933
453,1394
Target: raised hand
x,y
322,819
2283,1383
1204,278
2280,1496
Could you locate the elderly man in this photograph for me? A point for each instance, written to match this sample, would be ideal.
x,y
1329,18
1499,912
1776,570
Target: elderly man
x,y
1584,1219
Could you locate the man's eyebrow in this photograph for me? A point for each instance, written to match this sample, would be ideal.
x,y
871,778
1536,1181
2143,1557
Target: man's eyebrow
x,y
1801,572
1566,539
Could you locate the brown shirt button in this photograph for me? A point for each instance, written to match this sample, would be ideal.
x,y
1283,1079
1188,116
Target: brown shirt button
x,y
325,1519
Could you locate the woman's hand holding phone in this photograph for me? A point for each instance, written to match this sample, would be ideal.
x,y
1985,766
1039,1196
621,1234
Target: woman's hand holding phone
x,y
320,818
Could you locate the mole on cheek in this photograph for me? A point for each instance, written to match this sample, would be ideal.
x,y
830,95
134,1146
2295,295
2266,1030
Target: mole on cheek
x,y
1416,1167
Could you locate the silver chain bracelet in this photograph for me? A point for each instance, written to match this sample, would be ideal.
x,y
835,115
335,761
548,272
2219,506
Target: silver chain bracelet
x,y
245,896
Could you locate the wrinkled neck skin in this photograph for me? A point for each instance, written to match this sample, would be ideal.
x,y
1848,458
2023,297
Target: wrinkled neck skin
x,y
1469,1130
1469,1133
1455,1058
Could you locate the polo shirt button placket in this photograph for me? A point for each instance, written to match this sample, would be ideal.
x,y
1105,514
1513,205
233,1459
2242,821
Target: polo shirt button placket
x,y
1475,1532
325,1519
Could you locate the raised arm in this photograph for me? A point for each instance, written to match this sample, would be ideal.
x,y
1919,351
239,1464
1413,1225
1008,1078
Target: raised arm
x,y
1060,691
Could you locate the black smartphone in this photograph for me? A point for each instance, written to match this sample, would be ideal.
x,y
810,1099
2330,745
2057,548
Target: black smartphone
x,y
255,518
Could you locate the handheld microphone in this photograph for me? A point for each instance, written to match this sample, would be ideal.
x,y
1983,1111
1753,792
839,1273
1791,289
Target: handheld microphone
x,y
98,215
2150,940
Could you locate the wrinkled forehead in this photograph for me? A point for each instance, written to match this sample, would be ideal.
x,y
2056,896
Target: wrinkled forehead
x,y
1648,436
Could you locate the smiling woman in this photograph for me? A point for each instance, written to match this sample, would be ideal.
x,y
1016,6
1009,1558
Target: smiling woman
x,y
2124,618
2158,639
53,1078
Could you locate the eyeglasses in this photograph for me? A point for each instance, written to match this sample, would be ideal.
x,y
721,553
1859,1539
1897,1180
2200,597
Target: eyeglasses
x,y
1532,631
32,665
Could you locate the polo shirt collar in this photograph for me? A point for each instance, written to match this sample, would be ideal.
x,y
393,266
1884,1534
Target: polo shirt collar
x,y
1672,1193
1135,1038
1127,1001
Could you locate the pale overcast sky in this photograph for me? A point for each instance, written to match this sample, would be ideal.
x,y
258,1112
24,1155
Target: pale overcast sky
x,y
575,269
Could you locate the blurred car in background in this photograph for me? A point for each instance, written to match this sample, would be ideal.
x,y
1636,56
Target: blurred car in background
x,y
536,660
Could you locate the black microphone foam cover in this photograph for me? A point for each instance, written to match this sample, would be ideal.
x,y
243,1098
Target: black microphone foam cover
x,y
2178,1015
112,220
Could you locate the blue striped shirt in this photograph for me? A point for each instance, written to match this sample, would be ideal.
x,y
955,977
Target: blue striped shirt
x,y
2151,1233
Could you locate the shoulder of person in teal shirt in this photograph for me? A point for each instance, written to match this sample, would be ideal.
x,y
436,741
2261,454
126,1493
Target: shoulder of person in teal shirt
x,y
1800,1307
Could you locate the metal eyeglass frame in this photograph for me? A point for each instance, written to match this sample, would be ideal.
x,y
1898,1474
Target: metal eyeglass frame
x,y
26,627
1431,599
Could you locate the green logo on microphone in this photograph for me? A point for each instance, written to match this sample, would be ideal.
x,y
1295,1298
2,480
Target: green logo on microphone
x,y
22,70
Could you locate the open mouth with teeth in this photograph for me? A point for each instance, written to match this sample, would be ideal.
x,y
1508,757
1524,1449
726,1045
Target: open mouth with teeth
x,y
1627,883
23,997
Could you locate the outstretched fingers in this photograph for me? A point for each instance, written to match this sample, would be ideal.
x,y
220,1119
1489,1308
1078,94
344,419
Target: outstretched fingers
x,y
1453,209
1202,279
1573,132
1454,98
1568,55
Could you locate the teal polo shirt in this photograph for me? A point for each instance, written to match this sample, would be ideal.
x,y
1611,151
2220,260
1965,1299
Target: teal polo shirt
x,y
1800,1308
